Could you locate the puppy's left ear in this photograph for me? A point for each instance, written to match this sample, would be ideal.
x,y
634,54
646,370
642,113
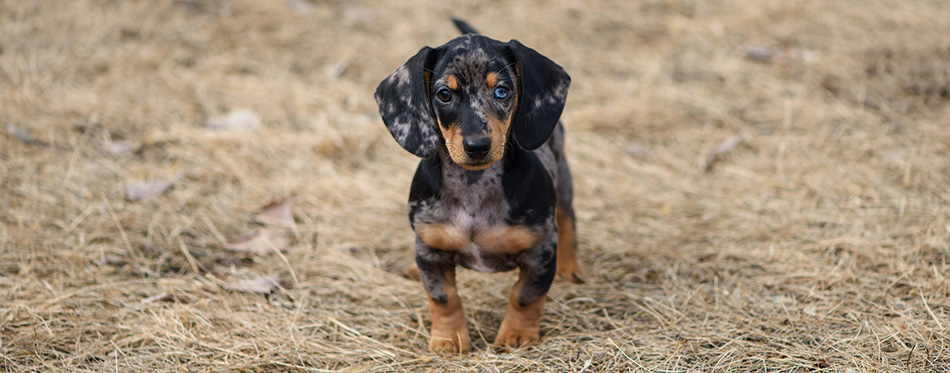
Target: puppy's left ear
x,y
541,97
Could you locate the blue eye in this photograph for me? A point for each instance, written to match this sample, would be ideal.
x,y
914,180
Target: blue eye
x,y
501,93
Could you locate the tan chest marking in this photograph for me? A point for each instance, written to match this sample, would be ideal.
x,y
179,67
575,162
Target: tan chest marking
x,y
506,239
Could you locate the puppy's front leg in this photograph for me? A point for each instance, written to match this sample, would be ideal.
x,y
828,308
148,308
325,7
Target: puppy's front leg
x,y
449,333
522,324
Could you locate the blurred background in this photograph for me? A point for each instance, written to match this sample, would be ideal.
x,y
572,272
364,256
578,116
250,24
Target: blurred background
x,y
760,186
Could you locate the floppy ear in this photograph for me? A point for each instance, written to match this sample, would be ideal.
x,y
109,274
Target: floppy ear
x,y
403,100
541,97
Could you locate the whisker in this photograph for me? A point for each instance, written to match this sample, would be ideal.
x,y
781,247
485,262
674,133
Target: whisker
x,y
504,68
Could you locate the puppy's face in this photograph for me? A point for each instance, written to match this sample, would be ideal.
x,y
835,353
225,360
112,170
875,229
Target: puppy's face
x,y
473,93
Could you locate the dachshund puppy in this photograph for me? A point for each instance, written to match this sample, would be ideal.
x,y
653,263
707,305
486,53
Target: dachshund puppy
x,y
493,191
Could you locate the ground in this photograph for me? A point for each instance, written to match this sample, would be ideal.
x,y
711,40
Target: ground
x,y
760,186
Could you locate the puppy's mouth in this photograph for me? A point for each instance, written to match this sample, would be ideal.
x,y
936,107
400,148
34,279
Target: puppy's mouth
x,y
471,164
476,165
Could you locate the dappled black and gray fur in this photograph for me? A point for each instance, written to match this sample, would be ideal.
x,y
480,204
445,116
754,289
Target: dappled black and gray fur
x,y
521,189
517,191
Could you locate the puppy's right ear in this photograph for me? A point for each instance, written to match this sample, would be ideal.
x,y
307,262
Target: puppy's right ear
x,y
403,99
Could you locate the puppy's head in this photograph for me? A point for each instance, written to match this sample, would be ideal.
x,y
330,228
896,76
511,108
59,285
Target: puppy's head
x,y
473,94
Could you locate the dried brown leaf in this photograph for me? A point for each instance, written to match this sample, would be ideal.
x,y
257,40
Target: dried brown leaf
x,y
758,54
262,285
261,241
357,13
300,6
895,158
119,148
238,119
23,136
148,189
111,259
165,297
721,149
338,68
636,151
156,298
276,213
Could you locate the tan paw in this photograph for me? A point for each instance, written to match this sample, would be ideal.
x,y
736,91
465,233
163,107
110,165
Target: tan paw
x,y
512,339
412,273
571,273
450,344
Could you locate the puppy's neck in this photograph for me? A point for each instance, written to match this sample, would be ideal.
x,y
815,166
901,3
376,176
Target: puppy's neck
x,y
471,187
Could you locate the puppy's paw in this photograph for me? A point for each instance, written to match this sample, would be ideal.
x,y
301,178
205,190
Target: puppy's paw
x,y
516,332
571,272
444,343
513,338
412,273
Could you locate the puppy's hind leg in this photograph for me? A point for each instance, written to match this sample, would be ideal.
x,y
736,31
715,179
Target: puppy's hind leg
x,y
568,267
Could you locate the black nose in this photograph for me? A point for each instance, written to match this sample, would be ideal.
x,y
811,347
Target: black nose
x,y
478,147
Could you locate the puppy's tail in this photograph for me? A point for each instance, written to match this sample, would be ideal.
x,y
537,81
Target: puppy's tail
x,y
463,26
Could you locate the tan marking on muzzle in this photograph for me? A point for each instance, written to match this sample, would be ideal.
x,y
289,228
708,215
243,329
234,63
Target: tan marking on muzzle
x,y
499,128
454,143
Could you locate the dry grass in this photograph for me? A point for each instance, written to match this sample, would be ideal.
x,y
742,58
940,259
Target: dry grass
x,y
818,243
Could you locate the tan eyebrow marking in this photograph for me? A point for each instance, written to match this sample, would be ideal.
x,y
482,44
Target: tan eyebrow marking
x,y
491,79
